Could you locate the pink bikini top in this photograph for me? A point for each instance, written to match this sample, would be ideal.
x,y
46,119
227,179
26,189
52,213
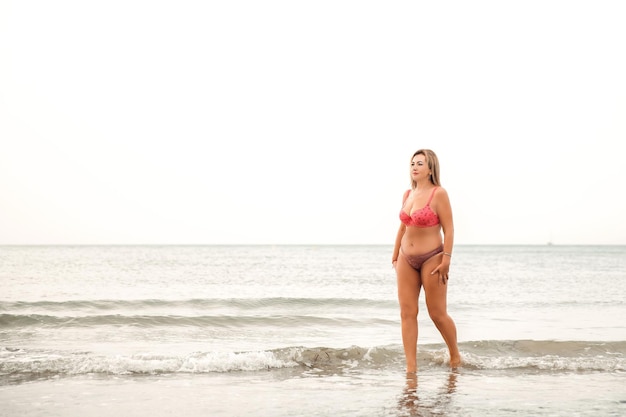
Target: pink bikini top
x,y
424,217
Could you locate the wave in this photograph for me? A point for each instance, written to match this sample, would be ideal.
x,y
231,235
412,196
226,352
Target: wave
x,y
238,303
147,321
512,355
219,312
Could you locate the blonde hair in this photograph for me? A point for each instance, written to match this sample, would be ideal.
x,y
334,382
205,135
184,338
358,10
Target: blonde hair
x,y
433,164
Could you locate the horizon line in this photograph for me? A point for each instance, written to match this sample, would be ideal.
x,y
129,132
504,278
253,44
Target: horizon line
x,y
301,244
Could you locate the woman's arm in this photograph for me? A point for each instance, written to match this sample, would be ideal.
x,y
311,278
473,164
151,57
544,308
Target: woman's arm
x,y
396,246
444,211
401,229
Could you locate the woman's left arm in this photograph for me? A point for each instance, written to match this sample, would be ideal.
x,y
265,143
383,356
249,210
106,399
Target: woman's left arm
x,y
444,211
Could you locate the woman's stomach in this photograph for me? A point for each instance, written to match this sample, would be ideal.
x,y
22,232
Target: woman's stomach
x,y
418,240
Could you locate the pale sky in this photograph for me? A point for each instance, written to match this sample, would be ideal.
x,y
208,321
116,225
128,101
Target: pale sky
x,y
292,122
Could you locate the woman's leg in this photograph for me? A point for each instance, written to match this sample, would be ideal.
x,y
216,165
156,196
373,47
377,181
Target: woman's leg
x,y
409,285
436,294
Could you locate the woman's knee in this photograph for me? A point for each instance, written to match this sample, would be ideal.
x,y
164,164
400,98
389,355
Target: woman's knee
x,y
408,312
437,314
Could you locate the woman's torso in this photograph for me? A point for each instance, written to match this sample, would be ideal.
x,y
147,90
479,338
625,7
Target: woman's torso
x,y
423,230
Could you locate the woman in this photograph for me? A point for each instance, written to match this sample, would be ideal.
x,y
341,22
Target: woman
x,y
421,255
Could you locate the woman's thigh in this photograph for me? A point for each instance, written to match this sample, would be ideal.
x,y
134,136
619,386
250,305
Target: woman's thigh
x,y
409,283
435,290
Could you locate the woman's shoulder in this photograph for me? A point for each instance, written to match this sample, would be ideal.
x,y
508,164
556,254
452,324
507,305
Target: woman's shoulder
x,y
406,195
440,193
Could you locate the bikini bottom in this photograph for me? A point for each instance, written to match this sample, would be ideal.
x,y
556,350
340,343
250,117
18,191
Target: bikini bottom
x,y
416,261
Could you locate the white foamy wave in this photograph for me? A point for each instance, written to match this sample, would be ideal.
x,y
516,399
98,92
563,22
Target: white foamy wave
x,y
232,361
540,356
546,363
21,361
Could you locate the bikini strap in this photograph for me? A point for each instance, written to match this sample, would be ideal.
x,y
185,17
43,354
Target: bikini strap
x,y
431,196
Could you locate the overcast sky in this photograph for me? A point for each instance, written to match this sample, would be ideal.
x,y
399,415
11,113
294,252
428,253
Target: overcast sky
x,y
202,122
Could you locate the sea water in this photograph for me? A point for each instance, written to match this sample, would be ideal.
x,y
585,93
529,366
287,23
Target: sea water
x,y
306,331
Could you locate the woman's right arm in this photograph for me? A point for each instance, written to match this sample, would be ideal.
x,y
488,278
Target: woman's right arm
x,y
396,247
401,229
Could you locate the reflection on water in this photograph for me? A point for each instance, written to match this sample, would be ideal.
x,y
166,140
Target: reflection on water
x,y
414,403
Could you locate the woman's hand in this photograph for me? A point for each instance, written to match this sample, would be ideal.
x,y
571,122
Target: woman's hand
x,y
443,269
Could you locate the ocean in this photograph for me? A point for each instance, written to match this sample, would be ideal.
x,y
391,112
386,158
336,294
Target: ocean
x,y
306,330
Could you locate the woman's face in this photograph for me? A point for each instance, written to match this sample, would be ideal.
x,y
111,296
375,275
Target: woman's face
x,y
419,168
